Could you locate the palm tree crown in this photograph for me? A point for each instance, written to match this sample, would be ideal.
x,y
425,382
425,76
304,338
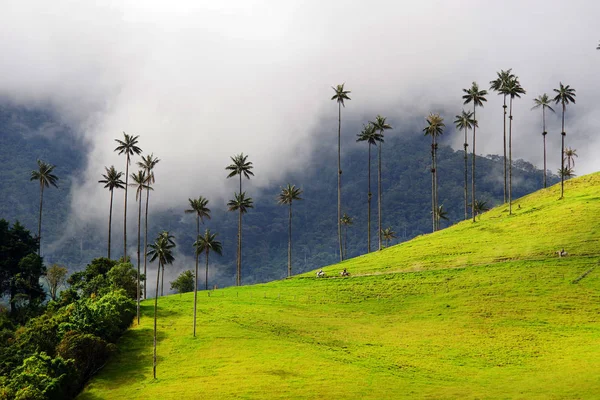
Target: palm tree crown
x,y
147,164
500,82
542,101
241,203
289,194
564,95
465,120
128,146
240,166
435,125
199,207
340,94
208,242
44,174
140,180
474,95
112,179
380,125
370,135
513,88
162,249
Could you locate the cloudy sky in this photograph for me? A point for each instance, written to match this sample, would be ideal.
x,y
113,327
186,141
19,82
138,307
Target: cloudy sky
x,y
202,80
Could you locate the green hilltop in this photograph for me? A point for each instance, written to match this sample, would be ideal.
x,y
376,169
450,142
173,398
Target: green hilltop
x,y
477,310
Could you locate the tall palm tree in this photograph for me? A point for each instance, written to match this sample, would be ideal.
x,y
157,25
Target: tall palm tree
x,y
544,102
480,207
435,127
499,85
129,147
513,89
287,196
199,207
205,244
242,204
477,97
161,249
44,175
441,214
340,96
346,221
380,125
371,136
112,180
564,96
388,234
465,121
139,182
147,164
570,155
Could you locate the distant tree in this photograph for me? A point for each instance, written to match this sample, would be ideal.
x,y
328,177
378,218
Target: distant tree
x,y
564,96
388,234
346,221
513,89
46,178
371,136
465,121
205,244
441,214
199,207
140,183
340,96
566,172
499,85
56,276
161,250
240,166
435,127
148,164
129,147
570,155
480,207
242,204
380,125
184,284
112,180
477,97
287,196
544,102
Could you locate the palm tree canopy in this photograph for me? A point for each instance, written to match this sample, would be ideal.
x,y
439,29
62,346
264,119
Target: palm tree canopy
x,y
240,202
162,249
44,174
500,82
513,88
208,242
199,207
289,194
564,95
465,120
128,145
112,179
435,125
542,101
340,94
147,164
480,207
441,213
369,134
473,94
380,125
346,219
139,182
388,233
240,166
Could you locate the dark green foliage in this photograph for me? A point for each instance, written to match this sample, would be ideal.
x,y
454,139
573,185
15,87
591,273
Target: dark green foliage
x,y
88,352
102,276
184,282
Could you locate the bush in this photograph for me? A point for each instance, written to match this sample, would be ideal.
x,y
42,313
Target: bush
x,y
88,352
184,282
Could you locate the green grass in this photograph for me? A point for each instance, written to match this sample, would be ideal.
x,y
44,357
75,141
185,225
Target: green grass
x,y
483,310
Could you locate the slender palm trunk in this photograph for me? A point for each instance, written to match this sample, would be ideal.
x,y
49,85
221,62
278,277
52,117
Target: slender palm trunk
x,y
379,194
435,185
473,167
206,272
155,314
562,155
110,220
162,281
40,219
146,238
544,136
290,243
339,208
125,210
432,187
139,258
239,265
346,242
466,177
504,127
369,206
196,274
510,118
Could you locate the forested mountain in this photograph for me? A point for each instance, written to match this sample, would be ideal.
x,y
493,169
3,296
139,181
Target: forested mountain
x,y
26,135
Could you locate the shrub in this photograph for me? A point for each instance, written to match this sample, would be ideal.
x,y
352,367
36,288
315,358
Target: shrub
x,y
88,352
184,282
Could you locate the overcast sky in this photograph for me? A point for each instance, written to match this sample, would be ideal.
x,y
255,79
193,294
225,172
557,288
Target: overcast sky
x,y
200,81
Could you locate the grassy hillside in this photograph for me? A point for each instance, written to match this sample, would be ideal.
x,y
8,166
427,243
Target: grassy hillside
x,y
483,310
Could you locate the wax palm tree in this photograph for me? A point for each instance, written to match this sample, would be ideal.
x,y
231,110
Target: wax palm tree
x,y
161,250
346,221
435,127
112,180
147,164
44,175
544,102
564,96
499,85
242,204
129,147
139,182
477,97
371,136
287,196
513,89
204,244
340,96
240,166
465,121
566,172
380,126
388,234
570,155
480,207
441,214
199,207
